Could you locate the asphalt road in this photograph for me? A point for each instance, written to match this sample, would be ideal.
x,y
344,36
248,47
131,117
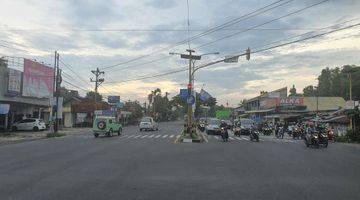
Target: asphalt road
x,y
148,165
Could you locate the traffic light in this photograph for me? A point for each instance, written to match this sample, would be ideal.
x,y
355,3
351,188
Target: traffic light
x,y
248,54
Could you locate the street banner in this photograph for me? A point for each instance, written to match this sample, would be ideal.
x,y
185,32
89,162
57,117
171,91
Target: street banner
x,y
4,109
204,96
183,94
38,80
110,113
14,82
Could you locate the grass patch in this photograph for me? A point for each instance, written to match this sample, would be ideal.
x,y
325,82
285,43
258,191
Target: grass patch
x,y
52,135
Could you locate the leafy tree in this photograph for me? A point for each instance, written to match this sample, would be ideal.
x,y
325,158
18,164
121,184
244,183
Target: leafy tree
x,y
136,111
293,92
309,91
91,96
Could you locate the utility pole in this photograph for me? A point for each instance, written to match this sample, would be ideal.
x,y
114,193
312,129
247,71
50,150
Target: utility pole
x,y
57,83
350,97
97,82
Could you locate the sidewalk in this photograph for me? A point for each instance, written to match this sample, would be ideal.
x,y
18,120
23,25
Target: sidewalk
x,y
23,136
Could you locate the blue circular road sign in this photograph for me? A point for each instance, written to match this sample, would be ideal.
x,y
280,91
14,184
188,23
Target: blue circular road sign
x,y
190,100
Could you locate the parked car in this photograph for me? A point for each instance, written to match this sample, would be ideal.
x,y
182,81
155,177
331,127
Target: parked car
x,y
106,125
148,123
29,124
213,126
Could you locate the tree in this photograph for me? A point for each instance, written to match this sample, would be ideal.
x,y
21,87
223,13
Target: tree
x,y
91,96
309,91
293,92
324,84
136,111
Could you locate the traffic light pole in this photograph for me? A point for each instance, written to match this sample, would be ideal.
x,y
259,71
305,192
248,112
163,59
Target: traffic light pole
x,y
189,113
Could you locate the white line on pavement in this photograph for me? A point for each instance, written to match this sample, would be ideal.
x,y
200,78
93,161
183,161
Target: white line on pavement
x,y
144,136
157,136
171,136
244,138
137,136
165,136
238,138
216,137
177,136
231,138
151,136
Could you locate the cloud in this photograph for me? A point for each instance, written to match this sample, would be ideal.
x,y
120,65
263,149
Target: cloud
x,y
162,4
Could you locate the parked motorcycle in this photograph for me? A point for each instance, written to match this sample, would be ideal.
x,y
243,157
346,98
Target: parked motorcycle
x,y
316,139
254,135
224,134
237,130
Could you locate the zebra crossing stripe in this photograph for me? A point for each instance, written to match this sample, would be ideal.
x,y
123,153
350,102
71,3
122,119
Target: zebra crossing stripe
x,y
131,136
177,136
231,138
245,138
157,136
216,137
238,138
144,136
151,136
137,136
171,136
164,136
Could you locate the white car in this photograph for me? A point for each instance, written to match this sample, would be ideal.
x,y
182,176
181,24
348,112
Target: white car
x,y
148,123
29,124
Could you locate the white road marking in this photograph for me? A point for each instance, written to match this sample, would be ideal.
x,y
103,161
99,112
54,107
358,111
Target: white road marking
x,y
151,136
244,138
231,138
144,136
238,138
157,136
137,136
165,136
177,136
216,137
171,136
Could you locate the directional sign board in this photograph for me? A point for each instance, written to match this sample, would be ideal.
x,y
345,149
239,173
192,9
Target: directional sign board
x,y
231,59
190,100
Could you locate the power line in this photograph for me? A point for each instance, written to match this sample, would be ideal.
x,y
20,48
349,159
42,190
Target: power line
x,y
256,51
267,22
75,86
211,30
69,67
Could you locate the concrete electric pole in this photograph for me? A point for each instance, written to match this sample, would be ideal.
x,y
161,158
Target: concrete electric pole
x,y
97,81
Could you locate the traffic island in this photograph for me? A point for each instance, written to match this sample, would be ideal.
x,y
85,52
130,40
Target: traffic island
x,y
194,137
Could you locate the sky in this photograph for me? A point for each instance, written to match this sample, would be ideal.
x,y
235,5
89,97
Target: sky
x,y
91,34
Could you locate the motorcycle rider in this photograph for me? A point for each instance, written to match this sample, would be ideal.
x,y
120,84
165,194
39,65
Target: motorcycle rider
x,y
225,134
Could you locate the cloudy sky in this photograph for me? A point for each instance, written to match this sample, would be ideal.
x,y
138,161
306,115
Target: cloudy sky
x,y
90,34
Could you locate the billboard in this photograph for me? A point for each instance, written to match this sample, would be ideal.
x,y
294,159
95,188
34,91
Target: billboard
x,y
113,99
38,80
14,82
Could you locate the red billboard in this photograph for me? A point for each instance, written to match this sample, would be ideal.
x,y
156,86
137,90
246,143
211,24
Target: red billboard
x,y
38,80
